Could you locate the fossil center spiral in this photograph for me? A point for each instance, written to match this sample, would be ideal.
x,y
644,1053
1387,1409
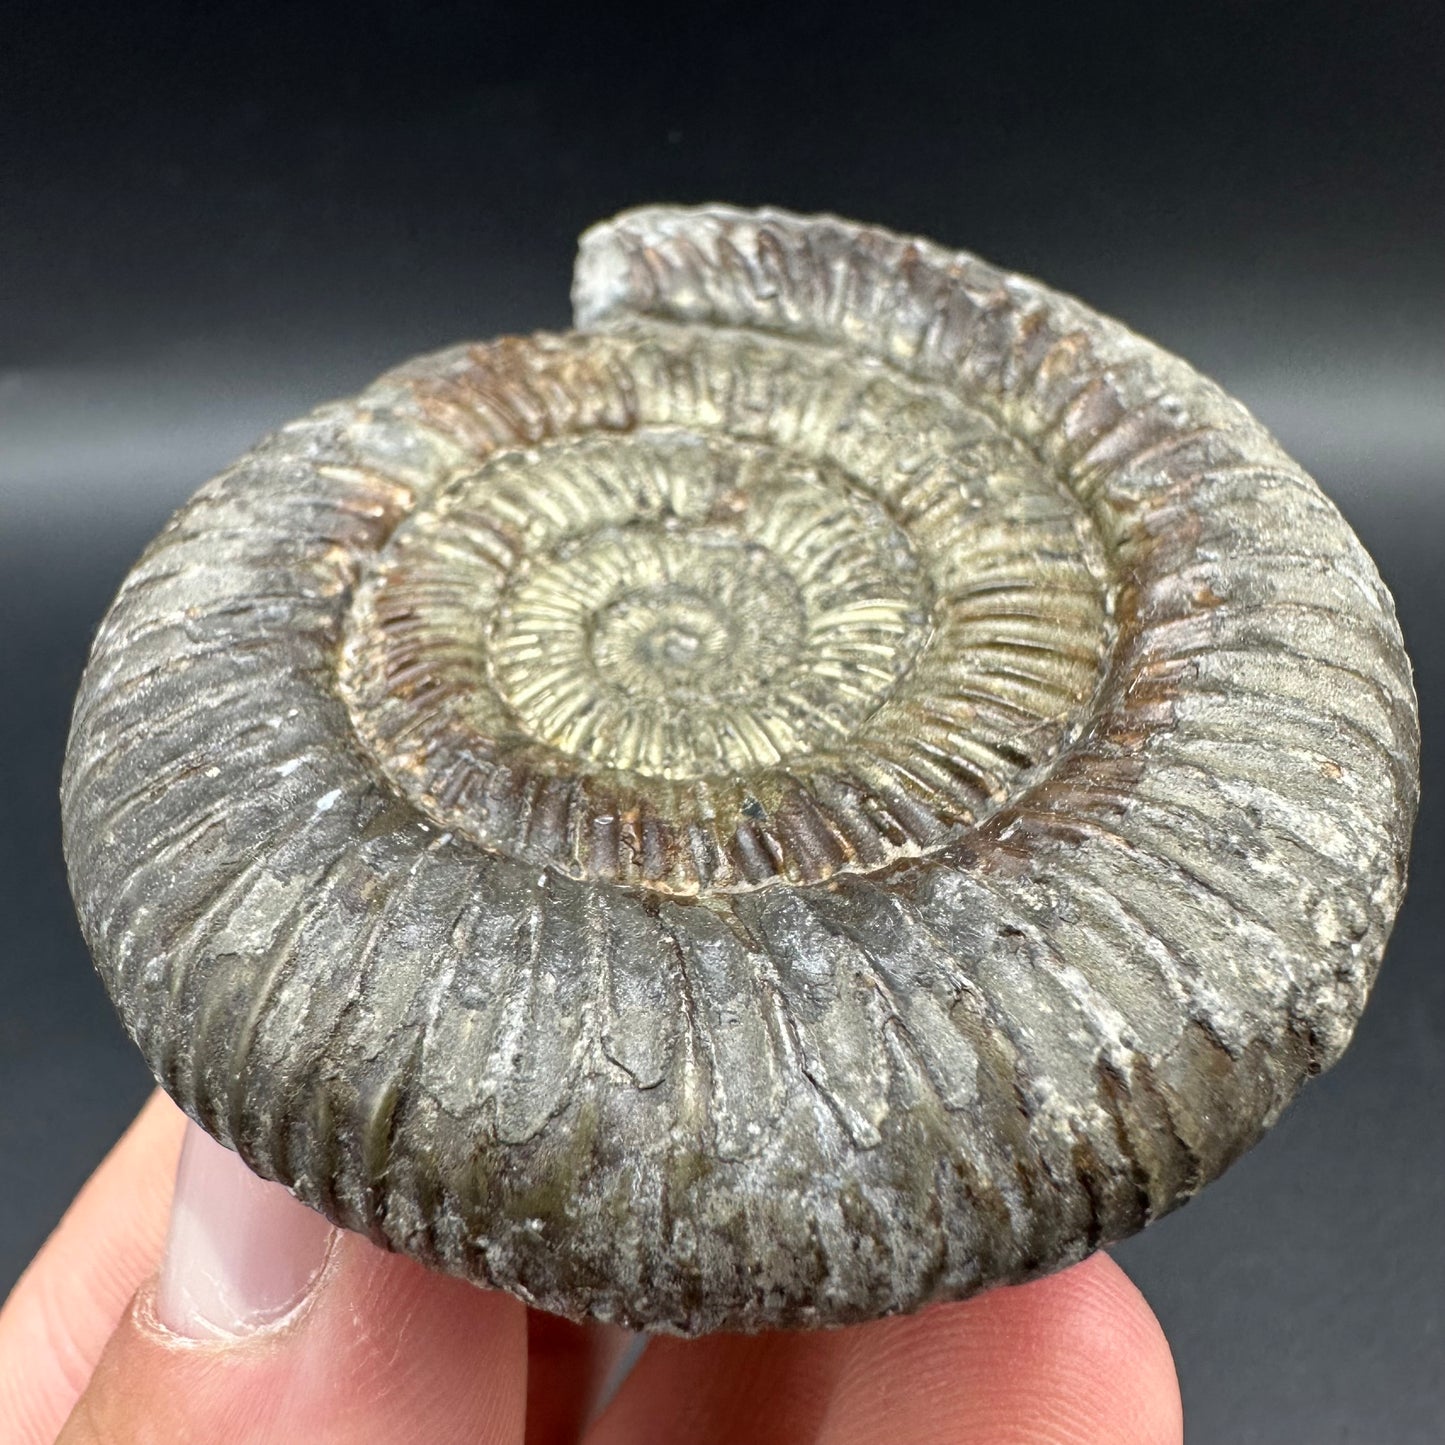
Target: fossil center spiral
x,y
763,627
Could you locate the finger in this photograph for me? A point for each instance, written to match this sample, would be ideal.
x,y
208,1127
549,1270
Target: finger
x,y
1076,1359
266,1324
64,1307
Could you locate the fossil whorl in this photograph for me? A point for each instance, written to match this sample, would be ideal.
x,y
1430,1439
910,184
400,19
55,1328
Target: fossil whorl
x,y
845,779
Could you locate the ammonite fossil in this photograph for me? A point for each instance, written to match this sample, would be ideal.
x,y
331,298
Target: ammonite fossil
x,y
845,779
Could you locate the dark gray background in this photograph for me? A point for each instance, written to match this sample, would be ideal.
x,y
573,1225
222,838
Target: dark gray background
x,y
211,219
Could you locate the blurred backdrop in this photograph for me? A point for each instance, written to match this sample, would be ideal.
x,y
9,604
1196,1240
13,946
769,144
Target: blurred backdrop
x,y
214,217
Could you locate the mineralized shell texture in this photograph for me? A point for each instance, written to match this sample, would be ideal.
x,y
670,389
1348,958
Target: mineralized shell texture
x,y
845,779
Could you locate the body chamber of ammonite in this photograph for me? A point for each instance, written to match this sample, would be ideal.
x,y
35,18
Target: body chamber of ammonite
x,y
845,779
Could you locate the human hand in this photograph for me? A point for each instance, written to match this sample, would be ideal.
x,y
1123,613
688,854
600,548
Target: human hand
x,y
255,1321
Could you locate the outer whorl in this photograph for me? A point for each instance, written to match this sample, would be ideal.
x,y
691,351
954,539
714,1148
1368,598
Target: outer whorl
x,y
845,779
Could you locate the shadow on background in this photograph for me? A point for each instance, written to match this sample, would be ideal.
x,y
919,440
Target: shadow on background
x,y
211,221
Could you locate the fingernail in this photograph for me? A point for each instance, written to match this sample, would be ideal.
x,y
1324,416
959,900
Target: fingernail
x,y
241,1254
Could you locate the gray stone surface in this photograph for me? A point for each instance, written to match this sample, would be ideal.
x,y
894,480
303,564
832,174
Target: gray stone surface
x,y
459,848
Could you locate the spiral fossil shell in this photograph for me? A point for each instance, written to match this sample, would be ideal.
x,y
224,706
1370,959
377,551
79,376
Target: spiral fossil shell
x,y
845,779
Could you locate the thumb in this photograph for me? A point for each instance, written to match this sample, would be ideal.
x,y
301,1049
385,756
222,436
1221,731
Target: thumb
x,y
265,1324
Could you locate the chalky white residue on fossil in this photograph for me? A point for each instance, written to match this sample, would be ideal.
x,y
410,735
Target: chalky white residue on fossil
x,y
845,779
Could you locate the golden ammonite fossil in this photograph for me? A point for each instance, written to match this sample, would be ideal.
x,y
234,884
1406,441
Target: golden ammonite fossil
x,y
844,779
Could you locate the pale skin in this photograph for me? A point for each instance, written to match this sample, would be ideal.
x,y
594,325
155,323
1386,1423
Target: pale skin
x,y
383,1352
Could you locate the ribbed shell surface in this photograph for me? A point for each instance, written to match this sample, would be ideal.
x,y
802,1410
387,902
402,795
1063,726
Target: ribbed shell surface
x,y
846,779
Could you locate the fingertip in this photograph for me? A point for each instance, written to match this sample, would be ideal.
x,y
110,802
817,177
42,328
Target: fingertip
x,y
1077,1358
1102,1357
383,1350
